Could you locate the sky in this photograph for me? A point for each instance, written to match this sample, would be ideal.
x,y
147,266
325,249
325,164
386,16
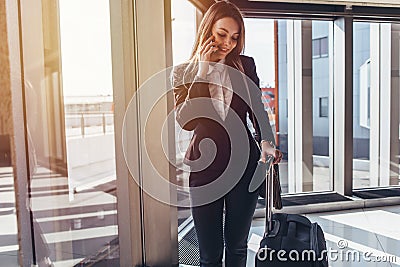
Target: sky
x,y
260,45
86,44
85,47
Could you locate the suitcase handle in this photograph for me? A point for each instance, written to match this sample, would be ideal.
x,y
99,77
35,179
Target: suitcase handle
x,y
276,225
298,219
269,201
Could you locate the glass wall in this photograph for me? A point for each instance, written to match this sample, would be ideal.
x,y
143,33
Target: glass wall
x,y
291,99
308,153
375,101
299,104
361,102
69,104
322,40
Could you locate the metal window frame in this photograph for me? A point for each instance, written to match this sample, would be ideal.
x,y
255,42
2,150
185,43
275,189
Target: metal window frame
x,y
320,11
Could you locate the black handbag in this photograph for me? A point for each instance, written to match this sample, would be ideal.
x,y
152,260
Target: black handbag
x,y
277,190
258,182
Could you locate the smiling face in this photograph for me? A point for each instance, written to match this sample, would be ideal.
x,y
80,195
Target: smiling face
x,y
226,32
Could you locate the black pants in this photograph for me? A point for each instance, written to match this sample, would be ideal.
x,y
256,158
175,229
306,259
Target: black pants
x,y
239,210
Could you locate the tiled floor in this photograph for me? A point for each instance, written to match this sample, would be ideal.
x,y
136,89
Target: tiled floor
x,y
366,232
8,220
374,230
67,230
354,237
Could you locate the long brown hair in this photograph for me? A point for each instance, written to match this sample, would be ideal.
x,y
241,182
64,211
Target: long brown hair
x,y
219,10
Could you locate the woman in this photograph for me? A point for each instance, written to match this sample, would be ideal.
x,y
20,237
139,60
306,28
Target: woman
x,y
210,99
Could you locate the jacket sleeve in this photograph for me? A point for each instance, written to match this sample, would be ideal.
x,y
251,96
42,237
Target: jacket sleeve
x,y
187,111
263,129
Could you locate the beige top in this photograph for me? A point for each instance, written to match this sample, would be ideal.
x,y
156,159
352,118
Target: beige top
x,y
220,87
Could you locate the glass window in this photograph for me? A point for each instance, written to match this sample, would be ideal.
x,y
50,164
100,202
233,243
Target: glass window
x,y
324,47
69,103
361,133
323,107
316,48
183,30
315,174
260,43
322,181
320,47
287,108
375,124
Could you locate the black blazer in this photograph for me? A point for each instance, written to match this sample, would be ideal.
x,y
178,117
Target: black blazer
x,y
194,111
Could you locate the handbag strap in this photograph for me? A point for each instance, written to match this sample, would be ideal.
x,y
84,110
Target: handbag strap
x,y
252,113
251,109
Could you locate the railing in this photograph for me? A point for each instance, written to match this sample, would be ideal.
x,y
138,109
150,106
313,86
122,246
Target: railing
x,y
89,123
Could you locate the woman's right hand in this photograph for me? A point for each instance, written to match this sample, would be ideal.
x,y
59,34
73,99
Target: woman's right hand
x,y
269,150
206,51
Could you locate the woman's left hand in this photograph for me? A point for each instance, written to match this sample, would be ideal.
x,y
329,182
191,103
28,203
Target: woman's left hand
x,y
267,149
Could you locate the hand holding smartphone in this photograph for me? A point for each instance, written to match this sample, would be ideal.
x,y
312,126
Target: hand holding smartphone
x,y
206,51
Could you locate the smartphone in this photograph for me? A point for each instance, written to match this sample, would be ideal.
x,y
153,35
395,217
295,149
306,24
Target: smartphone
x,y
213,38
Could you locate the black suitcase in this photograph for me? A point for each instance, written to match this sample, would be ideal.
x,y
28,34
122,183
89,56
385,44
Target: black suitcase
x,y
289,239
